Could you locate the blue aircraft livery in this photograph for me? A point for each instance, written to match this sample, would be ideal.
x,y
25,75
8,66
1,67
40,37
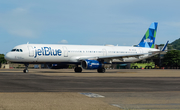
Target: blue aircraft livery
x,y
47,51
148,41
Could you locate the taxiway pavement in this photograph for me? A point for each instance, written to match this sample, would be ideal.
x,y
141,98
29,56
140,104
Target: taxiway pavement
x,y
122,89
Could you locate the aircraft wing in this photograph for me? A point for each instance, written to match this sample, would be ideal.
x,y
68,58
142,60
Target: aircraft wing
x,y
150,55
113,57
121,56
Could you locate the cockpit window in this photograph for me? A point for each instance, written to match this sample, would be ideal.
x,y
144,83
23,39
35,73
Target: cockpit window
x,y
13,50
17,50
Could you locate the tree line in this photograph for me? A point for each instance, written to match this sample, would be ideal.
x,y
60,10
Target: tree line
x,y
172,59
2,60
176,44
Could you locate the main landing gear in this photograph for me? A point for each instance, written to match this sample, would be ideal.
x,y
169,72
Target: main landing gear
x,y
26,68
78,69
101,70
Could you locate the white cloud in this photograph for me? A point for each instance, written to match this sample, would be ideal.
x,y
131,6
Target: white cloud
x,y
63,42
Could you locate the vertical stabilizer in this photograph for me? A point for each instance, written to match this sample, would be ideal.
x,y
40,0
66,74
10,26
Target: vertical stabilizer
x,y
148,41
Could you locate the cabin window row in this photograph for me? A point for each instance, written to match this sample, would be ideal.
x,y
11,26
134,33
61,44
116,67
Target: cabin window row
x,y
86,51
73,51
120,52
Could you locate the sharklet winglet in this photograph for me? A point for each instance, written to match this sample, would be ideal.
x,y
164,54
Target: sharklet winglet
x,y
164,46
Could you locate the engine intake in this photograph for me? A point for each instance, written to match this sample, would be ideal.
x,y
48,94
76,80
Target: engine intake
x,y
91,64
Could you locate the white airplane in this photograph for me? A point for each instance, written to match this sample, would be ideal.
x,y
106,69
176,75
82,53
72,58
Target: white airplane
x,y
88,56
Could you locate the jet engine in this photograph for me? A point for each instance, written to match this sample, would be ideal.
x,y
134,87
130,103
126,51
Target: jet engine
x,y
57,66
91,64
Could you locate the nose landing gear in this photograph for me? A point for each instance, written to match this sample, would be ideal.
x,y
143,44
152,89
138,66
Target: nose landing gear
x,y
26,68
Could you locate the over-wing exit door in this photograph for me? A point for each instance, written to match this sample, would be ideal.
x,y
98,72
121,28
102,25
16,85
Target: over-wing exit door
x,y
104,52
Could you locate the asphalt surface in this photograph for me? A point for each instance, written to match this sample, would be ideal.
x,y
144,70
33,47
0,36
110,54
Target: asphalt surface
x,y
20,82
122,91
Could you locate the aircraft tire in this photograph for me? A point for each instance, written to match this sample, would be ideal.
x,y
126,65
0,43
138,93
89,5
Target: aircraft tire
x,y
25,71
78,69
101,70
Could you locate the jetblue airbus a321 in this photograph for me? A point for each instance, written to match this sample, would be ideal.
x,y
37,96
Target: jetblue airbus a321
x,y
87,56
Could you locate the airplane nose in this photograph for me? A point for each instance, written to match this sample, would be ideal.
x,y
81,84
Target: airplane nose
x,y
8,56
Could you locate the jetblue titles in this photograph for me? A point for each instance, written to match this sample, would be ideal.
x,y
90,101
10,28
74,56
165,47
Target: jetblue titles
x,y
47,51
148,40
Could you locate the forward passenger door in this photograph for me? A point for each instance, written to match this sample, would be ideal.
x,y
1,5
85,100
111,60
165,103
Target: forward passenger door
x,y
65,50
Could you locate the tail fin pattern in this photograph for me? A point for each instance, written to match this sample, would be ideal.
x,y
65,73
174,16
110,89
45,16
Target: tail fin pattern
x,y
148,41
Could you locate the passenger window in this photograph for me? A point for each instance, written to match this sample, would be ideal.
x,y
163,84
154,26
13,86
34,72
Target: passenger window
x,y
17,50
21,50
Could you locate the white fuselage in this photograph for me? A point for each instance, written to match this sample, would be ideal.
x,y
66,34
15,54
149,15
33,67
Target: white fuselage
x,y
53,53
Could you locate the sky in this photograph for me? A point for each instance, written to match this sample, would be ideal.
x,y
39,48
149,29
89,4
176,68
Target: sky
x,y
86,22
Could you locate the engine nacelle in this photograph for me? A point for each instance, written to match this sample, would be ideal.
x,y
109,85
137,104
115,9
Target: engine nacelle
x,y
57,66
91,64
